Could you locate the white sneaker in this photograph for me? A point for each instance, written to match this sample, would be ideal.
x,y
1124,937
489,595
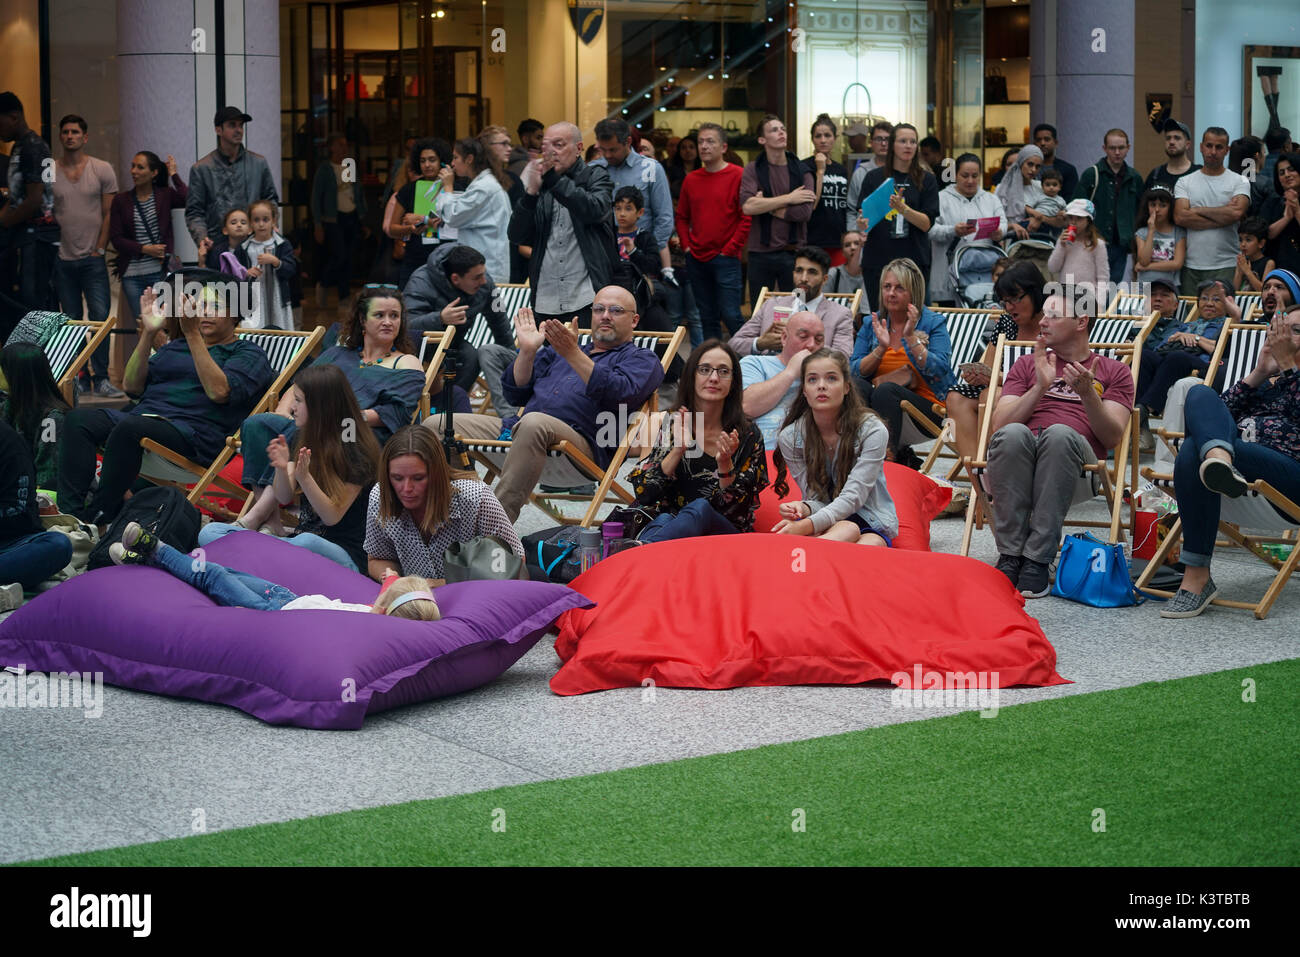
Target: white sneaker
x,y
11,597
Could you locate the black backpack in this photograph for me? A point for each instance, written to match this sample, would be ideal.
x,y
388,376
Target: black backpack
x,y
164,511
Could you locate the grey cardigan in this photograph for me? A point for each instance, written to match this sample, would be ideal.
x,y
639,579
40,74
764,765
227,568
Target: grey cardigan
x,y
864,492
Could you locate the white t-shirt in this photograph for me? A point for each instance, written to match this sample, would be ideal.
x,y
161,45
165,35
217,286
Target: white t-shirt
x,y
321,603
1211,248
760,369
1163,248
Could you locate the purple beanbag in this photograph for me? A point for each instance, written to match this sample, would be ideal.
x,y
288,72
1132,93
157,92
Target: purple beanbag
x,y
146,630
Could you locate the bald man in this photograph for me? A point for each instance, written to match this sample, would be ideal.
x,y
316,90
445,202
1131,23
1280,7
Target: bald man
x,y
585,395
772,382
564,215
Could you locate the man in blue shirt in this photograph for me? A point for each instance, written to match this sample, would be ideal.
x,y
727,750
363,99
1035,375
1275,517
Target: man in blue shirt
x,y
629,168
585,395
193,393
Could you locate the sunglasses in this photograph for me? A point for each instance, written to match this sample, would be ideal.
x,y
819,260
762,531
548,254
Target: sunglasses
x,y
380,285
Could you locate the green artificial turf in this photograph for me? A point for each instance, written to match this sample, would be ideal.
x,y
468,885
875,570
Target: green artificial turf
x,y
1186,772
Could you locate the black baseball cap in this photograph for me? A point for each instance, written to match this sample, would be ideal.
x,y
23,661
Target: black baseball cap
x,y
1167,283
1171,124
9,102
228,113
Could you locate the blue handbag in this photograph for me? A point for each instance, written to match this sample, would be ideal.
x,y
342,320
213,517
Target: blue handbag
x,y
1094,573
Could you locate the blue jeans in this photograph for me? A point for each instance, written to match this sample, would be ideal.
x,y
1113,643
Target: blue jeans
x,y
308,540
30,559
225,586
717,289
697,518
254,436
89,277
1210,426
682,308
133,288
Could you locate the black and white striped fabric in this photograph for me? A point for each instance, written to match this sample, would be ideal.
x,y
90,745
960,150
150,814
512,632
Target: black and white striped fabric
x,y
966,329
280,350
514,296
479,332
1249,303
1244,345
63,348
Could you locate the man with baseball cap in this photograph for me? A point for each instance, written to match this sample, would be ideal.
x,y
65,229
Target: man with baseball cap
x,y
229,176
1178,158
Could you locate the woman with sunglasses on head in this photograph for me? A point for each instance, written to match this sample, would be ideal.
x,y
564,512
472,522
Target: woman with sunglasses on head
x,y
375,355
1021,291
706,464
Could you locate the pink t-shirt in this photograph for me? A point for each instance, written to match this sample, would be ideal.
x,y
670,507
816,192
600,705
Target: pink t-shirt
x,y
79,207
1061,405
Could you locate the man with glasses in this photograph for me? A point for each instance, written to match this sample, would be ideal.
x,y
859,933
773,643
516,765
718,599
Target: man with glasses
x,y
880,134
1061,408
1114,188
584,395
564,217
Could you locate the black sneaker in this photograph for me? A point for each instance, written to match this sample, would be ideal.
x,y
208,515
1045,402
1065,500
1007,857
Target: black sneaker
x,y
1009,565
1220,476
1035,580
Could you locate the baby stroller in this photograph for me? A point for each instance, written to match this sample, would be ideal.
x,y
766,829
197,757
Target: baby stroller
x,y
971,273
1037,251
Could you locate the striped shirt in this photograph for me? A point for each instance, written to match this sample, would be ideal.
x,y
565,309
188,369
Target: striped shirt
x,y
146,233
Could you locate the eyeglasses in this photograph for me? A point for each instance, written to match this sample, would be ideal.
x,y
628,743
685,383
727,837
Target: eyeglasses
x,y
704,372
380,285
880,139
612,310
1010,301
499,143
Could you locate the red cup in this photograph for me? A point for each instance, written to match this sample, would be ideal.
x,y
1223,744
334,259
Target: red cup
x,y
1146,537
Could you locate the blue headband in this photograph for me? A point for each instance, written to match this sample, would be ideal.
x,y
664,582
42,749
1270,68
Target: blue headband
x,y
410,596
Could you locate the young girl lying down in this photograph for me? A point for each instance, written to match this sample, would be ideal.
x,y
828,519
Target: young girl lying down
x,y
407,597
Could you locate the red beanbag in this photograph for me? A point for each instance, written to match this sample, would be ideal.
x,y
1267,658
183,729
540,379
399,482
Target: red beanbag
x,y
917,499
737,610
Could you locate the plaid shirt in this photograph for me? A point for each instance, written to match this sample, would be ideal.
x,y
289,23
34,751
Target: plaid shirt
x,y
173,391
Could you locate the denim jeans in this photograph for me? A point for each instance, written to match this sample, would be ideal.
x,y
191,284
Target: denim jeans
x,y
1209,425
1116,258
697,518
313,543
87,277
133,288
225,586
717,288
682,308
30,559
254,436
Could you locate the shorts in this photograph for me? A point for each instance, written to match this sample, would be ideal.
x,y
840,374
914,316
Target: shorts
x,y
864,527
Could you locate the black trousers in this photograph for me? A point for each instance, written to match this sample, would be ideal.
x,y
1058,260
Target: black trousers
x,y
774,270
583,314
887,402
341,241
119,434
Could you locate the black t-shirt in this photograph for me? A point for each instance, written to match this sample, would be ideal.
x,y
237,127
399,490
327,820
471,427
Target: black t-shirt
x,y
882,245
349,532
19,513
826,225
27,164
1162,176
406,199
1285,249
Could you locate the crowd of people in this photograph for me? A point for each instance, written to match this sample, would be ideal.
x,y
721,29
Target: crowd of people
x,y
614,239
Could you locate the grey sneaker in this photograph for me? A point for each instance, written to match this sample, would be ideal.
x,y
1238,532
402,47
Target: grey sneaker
x,y
106,390
1188,604
1220,476
1035,579
121,555
11,596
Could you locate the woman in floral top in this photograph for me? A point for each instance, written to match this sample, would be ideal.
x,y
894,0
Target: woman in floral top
x,y
707,464
1253,432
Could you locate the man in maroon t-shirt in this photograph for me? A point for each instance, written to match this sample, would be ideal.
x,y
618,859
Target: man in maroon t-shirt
x,y
712,230
1061,408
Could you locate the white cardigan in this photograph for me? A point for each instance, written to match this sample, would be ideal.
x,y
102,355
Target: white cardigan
x,y
480,215
955,208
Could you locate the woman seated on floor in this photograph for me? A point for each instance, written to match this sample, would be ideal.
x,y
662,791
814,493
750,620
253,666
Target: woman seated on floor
x,y
28,553
193,393
33,406
332,466
416,510
1020,289
375,355
705,484
1185,349
1252,432
902,353
835,449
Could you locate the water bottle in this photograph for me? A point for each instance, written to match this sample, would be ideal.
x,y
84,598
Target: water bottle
x,y
609,532
900,226
589,548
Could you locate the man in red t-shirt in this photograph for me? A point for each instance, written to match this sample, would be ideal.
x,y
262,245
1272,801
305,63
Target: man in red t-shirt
x,y
712,230
1061,408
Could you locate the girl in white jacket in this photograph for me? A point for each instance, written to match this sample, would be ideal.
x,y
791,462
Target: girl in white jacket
x,y
961,204
480,214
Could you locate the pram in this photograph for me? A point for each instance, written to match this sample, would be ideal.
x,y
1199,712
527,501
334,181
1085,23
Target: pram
x,y
971,273
1037,251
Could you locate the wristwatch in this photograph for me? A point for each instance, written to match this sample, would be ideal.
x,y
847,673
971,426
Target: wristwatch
x,y
101,251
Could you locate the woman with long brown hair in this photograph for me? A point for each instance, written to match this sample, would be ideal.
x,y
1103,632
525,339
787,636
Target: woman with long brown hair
x,y
331,463
416,509
707,464
834,446
914,207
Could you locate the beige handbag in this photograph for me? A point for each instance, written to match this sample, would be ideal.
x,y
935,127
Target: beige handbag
x,y
84,539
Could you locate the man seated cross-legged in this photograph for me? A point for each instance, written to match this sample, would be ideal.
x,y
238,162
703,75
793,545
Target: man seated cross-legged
x,y
568,392
193,393
1062,408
